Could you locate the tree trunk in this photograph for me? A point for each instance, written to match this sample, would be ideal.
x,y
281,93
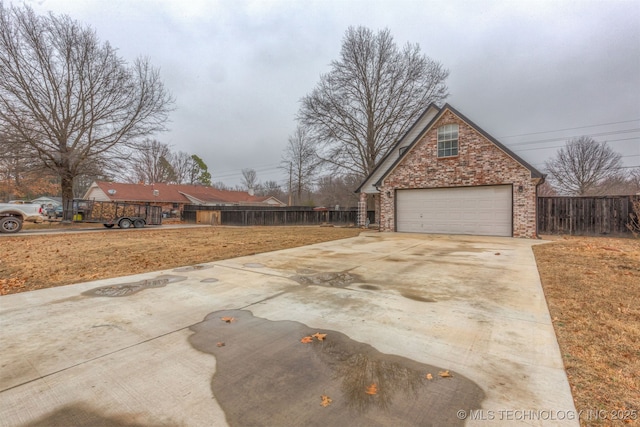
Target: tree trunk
x,y
66,184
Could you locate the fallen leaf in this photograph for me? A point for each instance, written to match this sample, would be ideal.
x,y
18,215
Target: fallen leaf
x,y
429,376
227,319
445,374
326,400
319,336
306,340
220,344
372,389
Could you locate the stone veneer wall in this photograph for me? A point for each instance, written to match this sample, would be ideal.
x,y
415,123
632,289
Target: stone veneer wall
x,y
479,162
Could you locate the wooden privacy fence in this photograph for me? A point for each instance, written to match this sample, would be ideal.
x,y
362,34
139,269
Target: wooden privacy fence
x,y
259,215
584,215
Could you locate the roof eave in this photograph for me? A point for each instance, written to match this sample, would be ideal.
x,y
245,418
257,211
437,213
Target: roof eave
x,y
392,149
534,172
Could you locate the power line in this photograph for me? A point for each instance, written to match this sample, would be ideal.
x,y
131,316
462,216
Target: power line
x,y
230,174
255,167
560,146
540,141
579,127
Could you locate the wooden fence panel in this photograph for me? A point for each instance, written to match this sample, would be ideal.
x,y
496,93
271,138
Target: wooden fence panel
x,y
584,215
268,216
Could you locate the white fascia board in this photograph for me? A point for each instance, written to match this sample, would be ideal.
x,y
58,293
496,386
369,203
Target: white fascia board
x,y
413,133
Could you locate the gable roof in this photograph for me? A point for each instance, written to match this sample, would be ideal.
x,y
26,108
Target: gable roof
x,y
387,161
174,193
415,134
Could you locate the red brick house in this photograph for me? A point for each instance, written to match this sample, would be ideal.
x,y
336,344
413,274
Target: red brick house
x,y
172,197
447,175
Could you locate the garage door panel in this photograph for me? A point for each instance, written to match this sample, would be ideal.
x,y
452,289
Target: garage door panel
x,y
464,210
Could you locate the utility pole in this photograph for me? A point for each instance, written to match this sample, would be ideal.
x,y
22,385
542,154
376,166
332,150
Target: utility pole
x,y
290,180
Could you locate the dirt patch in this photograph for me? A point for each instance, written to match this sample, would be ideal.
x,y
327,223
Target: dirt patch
x,y
592,287
32,262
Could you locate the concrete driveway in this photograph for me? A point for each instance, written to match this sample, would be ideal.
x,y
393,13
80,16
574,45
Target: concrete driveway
x,y
420,330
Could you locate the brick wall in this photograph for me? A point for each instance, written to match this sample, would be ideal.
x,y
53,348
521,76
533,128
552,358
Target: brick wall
x,y
479,162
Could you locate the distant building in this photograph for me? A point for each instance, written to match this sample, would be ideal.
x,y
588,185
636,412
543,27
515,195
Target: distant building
x,y
173,197
50,202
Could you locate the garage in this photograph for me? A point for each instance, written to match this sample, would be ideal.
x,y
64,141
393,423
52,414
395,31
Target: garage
x,y
448,176
482,210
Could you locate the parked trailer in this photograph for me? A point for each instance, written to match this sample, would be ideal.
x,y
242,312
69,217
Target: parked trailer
x,y
124,215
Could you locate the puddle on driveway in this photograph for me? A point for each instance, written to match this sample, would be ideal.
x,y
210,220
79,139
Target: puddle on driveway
x,y
192,268
330,279
253,265
126,289
266,376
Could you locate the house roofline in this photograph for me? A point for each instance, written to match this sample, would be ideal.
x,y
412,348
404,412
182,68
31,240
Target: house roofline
x,y
534,172
392,149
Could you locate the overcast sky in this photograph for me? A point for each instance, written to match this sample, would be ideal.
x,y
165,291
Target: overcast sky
x,y
530,73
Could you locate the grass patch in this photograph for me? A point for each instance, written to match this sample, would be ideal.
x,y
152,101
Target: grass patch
x,y
592,287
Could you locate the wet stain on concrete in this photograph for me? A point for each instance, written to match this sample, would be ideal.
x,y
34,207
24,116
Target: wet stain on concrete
x,y
417,297
266,376
209,280
126,289
192,268
329,279
253,265
370,287
81,415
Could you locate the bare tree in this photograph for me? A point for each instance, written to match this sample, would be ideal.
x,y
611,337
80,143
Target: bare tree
x,y
337,190
182,165
301,162
70,100
249,178
622,183
150,165
582,165
634,178
546,190
371,96
272,188
221,186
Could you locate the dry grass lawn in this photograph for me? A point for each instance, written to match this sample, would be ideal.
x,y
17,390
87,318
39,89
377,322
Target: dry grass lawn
x,y
592,286
31,262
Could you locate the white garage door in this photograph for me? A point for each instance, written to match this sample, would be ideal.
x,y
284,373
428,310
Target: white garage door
x,y
485,211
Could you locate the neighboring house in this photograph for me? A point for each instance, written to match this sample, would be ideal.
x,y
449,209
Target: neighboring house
x,y
50,202
172,197
447,175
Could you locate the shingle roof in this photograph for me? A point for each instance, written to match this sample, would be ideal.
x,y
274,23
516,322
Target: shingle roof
x,y
534,172
174,193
